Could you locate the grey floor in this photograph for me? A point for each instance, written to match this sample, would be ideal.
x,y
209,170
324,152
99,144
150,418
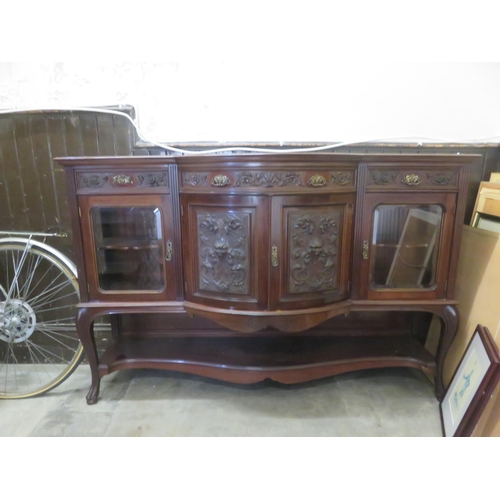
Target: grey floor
x,y
387,402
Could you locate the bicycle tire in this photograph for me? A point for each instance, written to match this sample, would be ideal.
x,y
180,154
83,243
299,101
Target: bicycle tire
x,y
39,346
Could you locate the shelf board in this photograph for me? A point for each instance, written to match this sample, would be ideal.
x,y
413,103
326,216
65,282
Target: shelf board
x,y
250,360
127,244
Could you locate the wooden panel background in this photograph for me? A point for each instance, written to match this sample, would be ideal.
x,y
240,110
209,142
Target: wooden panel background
x,y
32,186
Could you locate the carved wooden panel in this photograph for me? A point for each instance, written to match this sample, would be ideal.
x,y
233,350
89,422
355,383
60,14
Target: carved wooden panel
x,y
313,250
415,179
223,245
268,179
313,238
121,179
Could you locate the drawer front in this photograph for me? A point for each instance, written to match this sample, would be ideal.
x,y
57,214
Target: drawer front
x,y
407,179
263,180
122,181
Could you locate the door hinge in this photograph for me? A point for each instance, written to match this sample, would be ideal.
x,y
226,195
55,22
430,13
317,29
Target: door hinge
x,y
88,288
349,286
185,286
182,211
79,211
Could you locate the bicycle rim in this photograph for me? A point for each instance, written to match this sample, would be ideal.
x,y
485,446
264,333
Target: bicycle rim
x,y
39,346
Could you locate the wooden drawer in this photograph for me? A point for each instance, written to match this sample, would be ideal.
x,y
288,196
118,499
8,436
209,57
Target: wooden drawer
x,y
408,179
121,181
234,179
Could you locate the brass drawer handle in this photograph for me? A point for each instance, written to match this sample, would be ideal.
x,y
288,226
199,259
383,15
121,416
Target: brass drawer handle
x,y
366,247
316,180
169,250
122,179
274,256
411,180
220,181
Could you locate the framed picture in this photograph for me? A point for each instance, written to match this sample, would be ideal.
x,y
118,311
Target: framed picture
x,y
473,382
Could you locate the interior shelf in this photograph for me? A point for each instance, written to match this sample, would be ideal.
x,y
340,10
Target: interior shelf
x,y
250,359
126,244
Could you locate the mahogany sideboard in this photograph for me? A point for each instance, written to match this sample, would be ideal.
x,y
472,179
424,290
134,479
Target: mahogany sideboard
x,y
245,267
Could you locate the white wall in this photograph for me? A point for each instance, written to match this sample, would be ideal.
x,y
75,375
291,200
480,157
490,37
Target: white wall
x,y
449,102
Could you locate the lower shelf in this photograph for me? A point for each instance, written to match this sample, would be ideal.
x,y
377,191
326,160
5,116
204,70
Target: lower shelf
x,y
282,359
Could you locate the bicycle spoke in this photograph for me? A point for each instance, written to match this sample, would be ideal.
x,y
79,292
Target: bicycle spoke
x,y
39,344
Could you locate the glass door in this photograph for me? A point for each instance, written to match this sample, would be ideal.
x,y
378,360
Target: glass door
x,y
406,245
129,244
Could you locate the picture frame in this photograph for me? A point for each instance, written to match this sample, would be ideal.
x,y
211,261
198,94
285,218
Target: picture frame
x,y
472,384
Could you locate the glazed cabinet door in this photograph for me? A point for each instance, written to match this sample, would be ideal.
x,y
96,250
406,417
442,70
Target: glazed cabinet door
x,y
225,241
128,247
310,249
406,244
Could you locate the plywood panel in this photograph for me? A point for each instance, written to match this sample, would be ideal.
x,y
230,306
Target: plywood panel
x,y
479,303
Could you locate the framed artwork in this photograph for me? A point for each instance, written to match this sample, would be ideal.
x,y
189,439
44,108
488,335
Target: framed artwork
x,y
473,382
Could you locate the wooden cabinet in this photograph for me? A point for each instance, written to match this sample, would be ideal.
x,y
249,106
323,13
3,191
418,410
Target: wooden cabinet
x,y
247,267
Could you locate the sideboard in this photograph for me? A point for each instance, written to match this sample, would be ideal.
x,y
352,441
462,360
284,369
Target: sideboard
x,y
245,267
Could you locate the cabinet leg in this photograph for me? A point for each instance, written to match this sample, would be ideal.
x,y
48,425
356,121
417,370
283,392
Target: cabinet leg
x,y
85,329
449,327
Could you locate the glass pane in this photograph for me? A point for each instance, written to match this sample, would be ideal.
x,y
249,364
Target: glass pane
x,y
128,247
405,246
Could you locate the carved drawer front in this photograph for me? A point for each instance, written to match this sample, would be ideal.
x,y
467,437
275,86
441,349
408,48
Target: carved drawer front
x,y
122,180
280,179
393,179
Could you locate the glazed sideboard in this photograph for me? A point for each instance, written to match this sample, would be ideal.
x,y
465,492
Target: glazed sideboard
x,y
245,267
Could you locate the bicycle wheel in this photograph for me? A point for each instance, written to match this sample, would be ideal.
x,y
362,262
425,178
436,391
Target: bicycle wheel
x,y
39,347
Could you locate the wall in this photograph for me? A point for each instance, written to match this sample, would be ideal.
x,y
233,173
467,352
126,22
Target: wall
x,y
449,102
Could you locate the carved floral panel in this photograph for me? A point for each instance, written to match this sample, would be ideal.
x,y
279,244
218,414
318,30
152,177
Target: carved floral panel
x,y
223,243
313,250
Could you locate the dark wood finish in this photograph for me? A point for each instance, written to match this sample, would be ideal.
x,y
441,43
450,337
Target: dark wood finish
x,y
271,248
225,238
447,202
312,235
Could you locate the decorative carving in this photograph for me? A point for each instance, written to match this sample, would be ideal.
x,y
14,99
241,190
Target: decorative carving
x,y
195,179
440,179
122,179
155,179
93,181
384,178
313,251
316,180
223,241
268,179
220,181
411,180
341,178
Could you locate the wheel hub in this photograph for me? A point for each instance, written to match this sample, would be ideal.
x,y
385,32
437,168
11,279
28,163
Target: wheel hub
x,y
17,321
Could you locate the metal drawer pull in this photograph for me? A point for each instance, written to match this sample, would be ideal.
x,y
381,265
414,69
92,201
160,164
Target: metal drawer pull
x,y
169,251
220,181
366,247
411,180
122,179
316,180
274,256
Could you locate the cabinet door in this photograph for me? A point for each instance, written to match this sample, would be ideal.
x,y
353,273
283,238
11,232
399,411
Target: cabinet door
x,y
310,249
225,241
128,247
406,245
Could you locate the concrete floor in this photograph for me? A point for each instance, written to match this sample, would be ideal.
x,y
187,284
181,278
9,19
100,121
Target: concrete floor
x,y
386,402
